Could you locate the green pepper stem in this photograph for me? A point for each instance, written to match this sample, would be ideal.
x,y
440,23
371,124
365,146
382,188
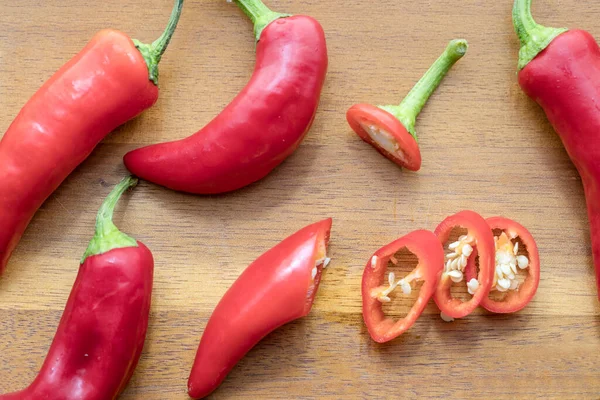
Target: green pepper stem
x,y
534,37
107,235
413,103
259,14
153,52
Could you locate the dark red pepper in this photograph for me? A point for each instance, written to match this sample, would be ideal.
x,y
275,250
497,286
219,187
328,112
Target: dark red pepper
x,y
102,331
262,126
428,249
112,80
560,70
277,288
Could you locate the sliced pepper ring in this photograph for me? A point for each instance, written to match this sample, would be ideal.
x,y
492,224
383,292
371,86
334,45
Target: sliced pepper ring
x,y
519,296
386,134
426,246
478,234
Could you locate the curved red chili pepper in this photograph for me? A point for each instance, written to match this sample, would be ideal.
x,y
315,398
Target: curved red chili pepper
x,y
262,126
428,249
101,333
277,288
515,298
560,70
112,80
478,234
391,129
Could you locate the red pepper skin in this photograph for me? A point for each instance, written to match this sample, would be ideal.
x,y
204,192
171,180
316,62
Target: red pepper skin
x,y
484,240
563,80
275,289
514,300
428,249
102,87
261,127
101,333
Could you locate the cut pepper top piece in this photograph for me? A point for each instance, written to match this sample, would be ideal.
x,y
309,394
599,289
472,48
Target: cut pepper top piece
x,y
459,252
391,129
376,288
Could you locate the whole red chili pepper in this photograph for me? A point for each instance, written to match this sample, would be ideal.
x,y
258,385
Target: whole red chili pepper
x,y
560,70
510,294
262,126
279,287
102,331
391,129
478,234
112,80
428,249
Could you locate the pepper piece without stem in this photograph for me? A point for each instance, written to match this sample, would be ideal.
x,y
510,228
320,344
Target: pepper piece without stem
x,y
428,249
391,129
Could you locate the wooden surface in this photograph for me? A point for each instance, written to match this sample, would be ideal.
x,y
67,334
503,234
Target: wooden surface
x,y
485,147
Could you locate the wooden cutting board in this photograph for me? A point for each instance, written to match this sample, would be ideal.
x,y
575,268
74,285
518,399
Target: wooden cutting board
x,y
485,147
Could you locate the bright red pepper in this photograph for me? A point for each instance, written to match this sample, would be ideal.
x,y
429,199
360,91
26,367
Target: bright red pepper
x,y
262,126
277,288
508,294
102,331
112,80
428,249
560,70
478,234
391,129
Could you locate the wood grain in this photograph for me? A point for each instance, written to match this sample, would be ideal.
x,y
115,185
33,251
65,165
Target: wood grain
x,y
485,147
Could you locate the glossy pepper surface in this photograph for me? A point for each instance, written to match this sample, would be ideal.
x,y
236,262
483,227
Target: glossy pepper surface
x,y
103,327
560,70
262,126
391,129
277,288
428,249
478,235
112,80
516,250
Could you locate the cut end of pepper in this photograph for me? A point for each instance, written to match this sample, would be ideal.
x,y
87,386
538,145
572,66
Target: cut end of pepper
x,y
321,262
386,134
107,236
534,38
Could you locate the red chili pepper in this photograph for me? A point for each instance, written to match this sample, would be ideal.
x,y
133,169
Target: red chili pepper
x,y
428,249
560,70
262,126
391,129
509,294
101,333
277,288
112,80
478,234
